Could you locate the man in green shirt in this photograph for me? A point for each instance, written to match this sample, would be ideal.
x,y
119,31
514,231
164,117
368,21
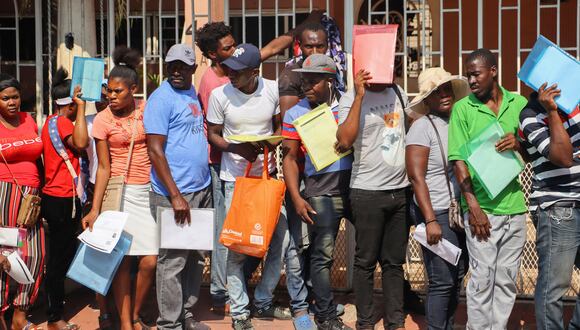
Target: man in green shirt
x,y
495,228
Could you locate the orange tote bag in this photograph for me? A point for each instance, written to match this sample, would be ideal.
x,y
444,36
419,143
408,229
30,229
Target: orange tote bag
x,y
254,212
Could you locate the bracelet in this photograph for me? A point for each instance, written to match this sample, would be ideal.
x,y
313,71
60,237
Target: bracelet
x,y
429,221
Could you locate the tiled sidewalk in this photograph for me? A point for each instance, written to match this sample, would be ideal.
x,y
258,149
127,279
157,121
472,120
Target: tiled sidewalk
x,y
81,310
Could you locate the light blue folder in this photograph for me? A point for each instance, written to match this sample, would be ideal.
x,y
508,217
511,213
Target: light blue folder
x,y
95,269
89,73
549,63
495,170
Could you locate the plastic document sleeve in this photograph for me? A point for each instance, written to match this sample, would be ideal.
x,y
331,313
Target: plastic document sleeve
x,y
88,73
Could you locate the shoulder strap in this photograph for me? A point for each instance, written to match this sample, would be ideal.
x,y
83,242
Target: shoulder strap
x,y
443,158
403,105
61,151
12,174
58,145
133,133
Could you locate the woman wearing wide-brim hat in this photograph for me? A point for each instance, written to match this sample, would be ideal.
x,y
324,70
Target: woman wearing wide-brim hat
x,y
435,187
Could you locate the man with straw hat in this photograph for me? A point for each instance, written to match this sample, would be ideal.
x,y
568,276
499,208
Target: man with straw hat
x,y
495,228
435,188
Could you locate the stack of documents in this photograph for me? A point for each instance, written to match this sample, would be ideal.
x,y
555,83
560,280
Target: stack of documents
x,y
256,138
548,63
101,252
88,73
106,231
443,248
12,236
95,269
317,129
481,153
18,270
198,235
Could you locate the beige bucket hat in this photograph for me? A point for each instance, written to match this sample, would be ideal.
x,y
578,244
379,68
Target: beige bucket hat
x,y
429,80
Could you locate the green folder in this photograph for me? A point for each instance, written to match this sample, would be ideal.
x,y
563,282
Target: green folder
x,y
495,170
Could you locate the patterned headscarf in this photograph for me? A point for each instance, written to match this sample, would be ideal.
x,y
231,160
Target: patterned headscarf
x,y
334,51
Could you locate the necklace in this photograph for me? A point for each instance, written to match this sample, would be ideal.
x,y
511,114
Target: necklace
x,y
126,126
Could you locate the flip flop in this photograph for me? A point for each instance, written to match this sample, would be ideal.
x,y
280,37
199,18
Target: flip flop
x,y
142,324
31,326
105,322
70,326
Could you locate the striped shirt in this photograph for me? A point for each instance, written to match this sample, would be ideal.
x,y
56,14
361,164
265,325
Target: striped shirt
x,y
550,183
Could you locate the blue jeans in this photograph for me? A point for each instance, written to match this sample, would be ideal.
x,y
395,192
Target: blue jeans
x,y
281,247
445,280
329,211
558,238
219,255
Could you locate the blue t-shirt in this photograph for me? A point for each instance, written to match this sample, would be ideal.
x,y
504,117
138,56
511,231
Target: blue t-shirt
x,y
177,115
331,180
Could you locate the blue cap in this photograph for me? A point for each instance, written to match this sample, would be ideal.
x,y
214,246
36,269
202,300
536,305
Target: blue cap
x,y
246,56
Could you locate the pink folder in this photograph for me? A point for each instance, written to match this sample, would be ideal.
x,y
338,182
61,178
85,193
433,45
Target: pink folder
x,y
374,51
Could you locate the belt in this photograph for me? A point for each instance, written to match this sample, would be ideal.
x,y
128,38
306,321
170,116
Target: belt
x,y
569,204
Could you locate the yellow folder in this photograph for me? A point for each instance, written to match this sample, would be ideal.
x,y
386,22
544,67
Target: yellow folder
x,y
317,129
256,138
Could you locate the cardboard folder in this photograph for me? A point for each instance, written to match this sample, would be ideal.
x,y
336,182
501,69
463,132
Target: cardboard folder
x,y
374,51
95,269
88,73
549,63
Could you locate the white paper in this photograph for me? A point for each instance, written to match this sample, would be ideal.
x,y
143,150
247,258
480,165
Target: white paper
x,y
106,231
198,235
9,236
18,270
443,248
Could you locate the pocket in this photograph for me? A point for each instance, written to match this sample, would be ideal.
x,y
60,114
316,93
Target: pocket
x,y
560,214
481,277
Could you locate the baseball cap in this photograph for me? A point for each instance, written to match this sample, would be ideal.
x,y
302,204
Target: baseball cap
x,y
181,52
318,63
246,56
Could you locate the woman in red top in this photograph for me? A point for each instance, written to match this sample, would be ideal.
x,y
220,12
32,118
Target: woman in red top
x,y
20,151
60,206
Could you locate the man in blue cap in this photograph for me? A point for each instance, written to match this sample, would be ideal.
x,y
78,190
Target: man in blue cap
x,y
248,105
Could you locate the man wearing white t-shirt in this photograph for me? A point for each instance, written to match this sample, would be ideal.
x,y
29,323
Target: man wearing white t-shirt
x,y
249,106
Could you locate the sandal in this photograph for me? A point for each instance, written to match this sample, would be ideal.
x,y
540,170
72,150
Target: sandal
x,y
31,326
142,324
105,322
69,326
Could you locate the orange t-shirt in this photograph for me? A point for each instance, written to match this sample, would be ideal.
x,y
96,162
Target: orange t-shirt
x,y
117,131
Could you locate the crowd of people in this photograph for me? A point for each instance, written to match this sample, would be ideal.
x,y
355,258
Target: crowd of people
x,y
406,168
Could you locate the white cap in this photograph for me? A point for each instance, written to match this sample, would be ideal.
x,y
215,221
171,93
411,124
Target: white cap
x,y
181,52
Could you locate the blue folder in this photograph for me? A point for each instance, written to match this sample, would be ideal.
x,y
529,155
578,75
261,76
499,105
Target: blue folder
x,y
88,73
549,63
95,269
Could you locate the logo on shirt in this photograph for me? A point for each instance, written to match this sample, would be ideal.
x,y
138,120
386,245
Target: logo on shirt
x,y
195,109
5,146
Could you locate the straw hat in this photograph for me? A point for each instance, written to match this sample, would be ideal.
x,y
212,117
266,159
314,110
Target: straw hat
x,y
432,78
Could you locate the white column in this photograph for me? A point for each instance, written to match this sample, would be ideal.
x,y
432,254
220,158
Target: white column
x,y
38,60
78,17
